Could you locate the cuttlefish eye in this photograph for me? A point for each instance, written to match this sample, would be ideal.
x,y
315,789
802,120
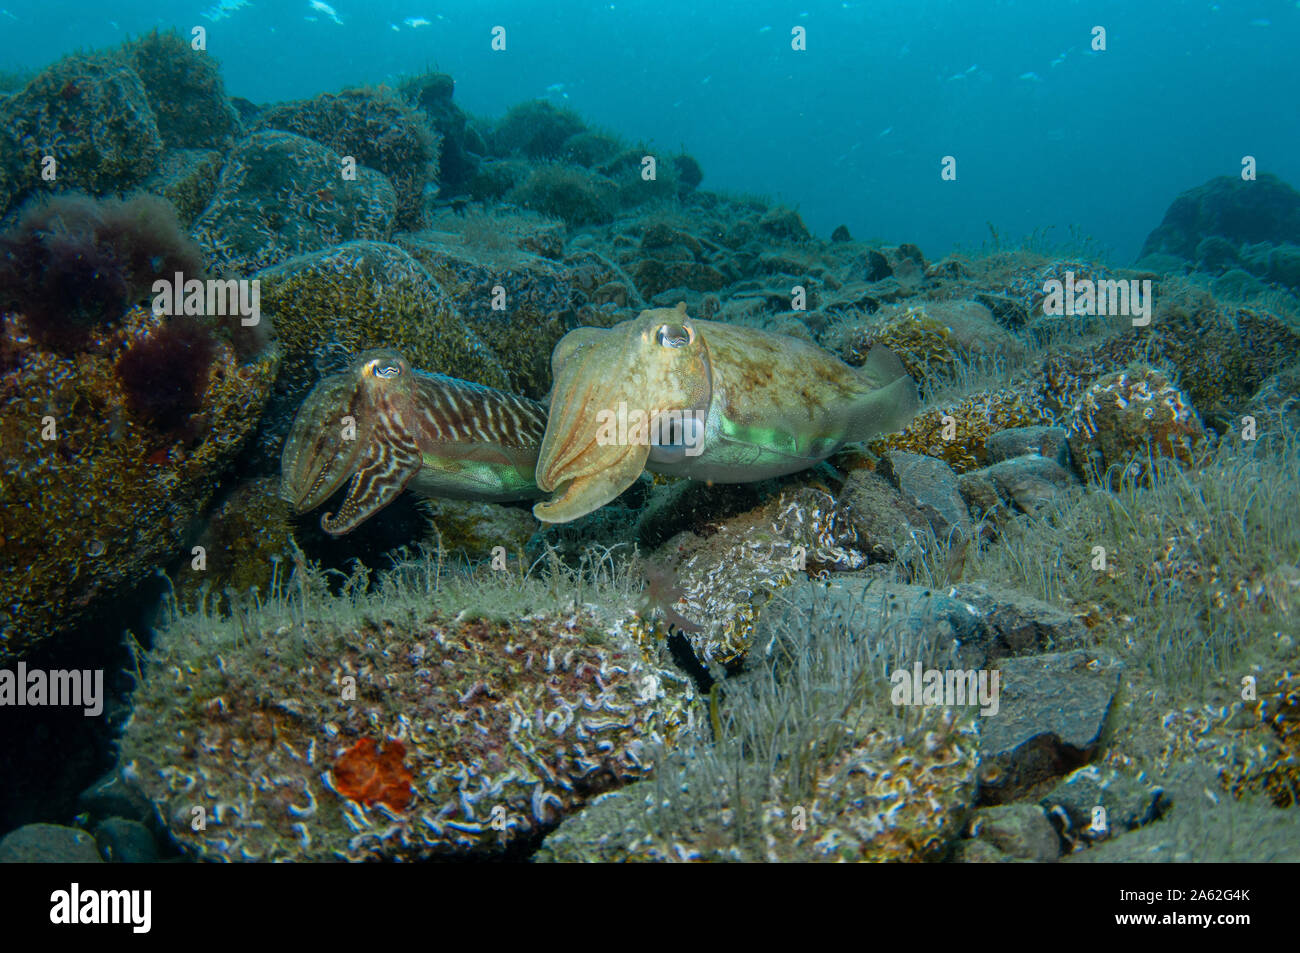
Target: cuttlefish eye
x,y
384,371
675,335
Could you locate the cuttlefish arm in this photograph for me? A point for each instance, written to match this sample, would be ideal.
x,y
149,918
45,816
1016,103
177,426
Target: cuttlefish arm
x,y
740,404
386,427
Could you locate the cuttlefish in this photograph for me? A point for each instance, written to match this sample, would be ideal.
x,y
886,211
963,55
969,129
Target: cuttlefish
x,y
703,400
388,427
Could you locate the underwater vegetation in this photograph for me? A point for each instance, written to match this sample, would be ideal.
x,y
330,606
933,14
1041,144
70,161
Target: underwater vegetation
x,y
71,265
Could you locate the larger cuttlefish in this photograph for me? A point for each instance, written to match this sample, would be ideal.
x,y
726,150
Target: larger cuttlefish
x,y
388,427
703,400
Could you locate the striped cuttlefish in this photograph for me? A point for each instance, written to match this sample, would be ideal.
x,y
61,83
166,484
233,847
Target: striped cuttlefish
x,y
389,427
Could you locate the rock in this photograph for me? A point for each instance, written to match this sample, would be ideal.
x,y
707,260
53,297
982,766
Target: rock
x,y
1198,832
114,796
1018,624
880,514
855,811
540,306
571,193
870,266
1049,442
378,130
981,625
126,842
841,234
1127,414
472,530
91,515
537,129
1010,832
930,486
495,177
249,532
281,195
458,163
1221,355
1027,286
91,112
1284,266
1215,254
960,442
981,495
973,332
590,149
1029,483
1265,210
1276,405
48,844
1008,312
725,572
653,276
1127,802
784,225
185,92
1052,710
1237,285
188,179
466,737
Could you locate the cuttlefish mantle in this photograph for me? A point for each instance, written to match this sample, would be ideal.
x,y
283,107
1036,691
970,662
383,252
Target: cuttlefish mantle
x,y
705,400
389,427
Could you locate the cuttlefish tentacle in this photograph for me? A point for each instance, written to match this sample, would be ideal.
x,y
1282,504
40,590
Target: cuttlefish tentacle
x,y
388,427
390,461
713,401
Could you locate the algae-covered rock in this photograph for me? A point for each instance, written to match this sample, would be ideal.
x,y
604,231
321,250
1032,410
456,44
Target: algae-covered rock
x,y
48,844
97,496
1009,833
188,179
282,195
1052,711
722,581
957,432
536,129
1227,207
378,130
518,304
367,294
374,736
243,540
1125,416
431,94
887,796
569,192
474,530
90,113
327,306
185,92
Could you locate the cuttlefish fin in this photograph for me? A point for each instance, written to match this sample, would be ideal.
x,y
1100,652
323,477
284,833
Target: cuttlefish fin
x,y
590,491
389,463
894,402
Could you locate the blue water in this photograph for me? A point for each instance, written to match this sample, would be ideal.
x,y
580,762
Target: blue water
x,y
1046,132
